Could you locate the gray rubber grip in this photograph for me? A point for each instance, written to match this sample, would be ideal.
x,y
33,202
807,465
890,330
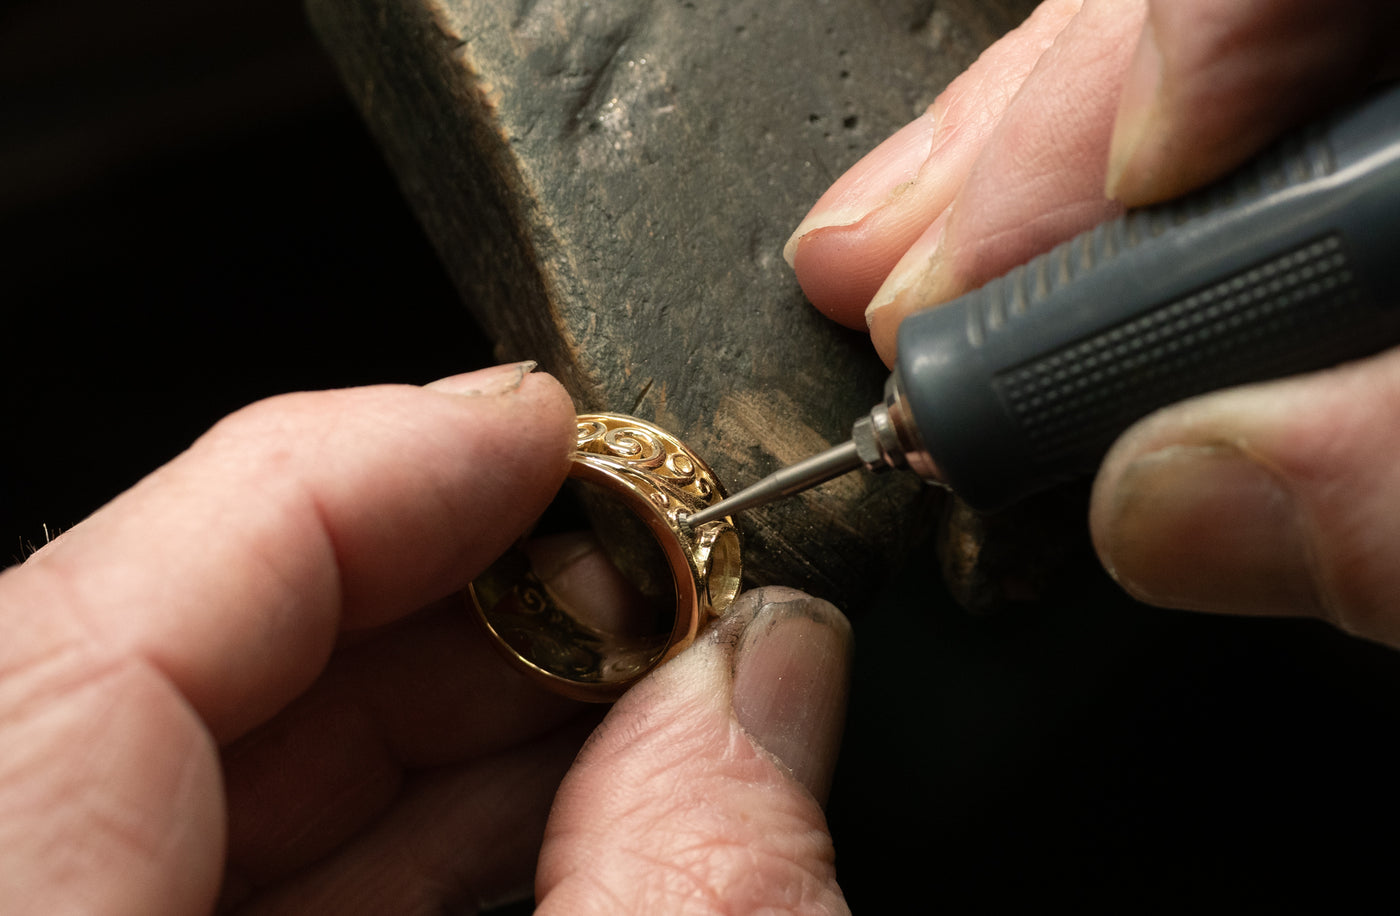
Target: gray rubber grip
x,y
1287,266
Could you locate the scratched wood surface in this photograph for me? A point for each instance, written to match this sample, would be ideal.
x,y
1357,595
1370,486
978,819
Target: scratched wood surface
x,y
610,186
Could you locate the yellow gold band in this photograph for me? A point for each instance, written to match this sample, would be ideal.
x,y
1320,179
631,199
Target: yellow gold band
x,y
659,481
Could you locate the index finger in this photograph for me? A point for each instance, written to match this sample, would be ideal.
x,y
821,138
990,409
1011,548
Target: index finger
x,y
232,569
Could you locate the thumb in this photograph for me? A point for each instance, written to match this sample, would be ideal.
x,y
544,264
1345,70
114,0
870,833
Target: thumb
x,y
701,791
1212,83
1281,498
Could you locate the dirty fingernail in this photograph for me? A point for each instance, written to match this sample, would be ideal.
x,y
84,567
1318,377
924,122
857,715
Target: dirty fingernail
x,y
871,182
791,670
493,381
918,281
918,273
1206,528
1136,108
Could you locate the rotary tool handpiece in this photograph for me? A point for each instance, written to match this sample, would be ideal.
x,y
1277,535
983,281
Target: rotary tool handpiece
x,y
1286,266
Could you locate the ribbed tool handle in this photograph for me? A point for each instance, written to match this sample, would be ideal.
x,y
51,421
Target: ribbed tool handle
x,y
1285,267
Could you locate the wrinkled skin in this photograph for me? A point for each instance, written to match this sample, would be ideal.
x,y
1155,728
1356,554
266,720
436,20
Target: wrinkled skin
x,y
241,685
245,684
1271,499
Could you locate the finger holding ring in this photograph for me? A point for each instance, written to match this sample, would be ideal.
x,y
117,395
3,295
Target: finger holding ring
x,y
636,483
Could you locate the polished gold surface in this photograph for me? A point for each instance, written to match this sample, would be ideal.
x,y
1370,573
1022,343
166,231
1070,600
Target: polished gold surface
x,y
573,647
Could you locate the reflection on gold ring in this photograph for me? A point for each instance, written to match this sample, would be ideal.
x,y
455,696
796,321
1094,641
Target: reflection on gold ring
x,y
660,481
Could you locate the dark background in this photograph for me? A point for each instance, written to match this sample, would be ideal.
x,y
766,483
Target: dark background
x,y
192,217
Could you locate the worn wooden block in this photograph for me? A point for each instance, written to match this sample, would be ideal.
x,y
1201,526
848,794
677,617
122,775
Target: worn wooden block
x,y
610,185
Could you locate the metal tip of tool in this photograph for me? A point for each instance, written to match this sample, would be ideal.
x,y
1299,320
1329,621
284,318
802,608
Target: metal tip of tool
x,y
690,521
784,482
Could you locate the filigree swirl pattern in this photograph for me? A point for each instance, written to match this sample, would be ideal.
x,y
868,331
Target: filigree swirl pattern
x,y
663,466
635,445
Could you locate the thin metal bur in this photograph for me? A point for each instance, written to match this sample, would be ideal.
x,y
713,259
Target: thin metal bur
x,y
786,481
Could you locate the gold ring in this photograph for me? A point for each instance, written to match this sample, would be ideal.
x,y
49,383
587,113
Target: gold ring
x,y
637,484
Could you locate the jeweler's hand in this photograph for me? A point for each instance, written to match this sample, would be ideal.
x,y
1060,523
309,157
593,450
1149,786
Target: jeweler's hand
x,y
239,675
1281,498
702,790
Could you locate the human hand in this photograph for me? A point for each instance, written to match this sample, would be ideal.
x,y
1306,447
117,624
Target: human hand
x,y
245,680
1265,499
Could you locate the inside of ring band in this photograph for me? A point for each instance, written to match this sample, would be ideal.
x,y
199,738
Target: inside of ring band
x,y
593,609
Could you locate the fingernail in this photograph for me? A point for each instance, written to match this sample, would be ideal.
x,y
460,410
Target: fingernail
x,y
1136,108
918,281
553,555
489,383
1207,528
871,182
791,669
575,569
917,275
